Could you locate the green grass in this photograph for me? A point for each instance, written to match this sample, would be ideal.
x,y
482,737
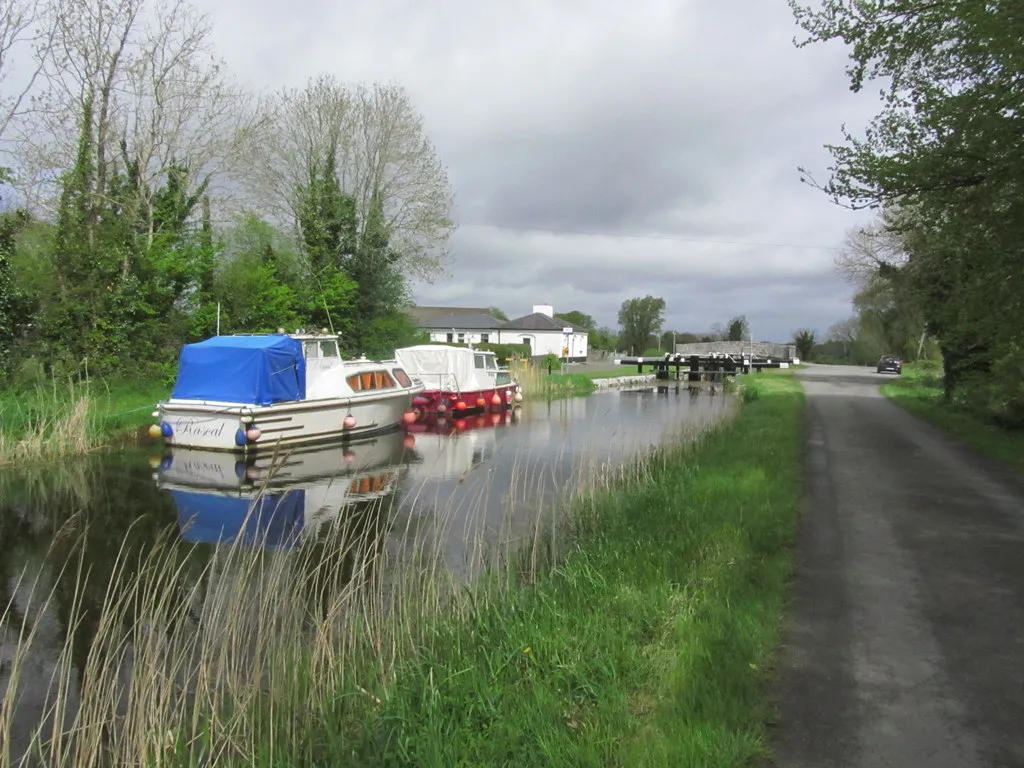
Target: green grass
x,y
567,384
919,390
60,419
648,646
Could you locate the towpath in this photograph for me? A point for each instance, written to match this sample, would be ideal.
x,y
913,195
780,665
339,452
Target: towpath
x,y
905,638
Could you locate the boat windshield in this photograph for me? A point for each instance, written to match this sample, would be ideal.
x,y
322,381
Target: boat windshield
x,y
485,362
324,348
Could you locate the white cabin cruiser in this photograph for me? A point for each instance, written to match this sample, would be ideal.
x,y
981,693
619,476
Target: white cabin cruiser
x,y
458,379
245,393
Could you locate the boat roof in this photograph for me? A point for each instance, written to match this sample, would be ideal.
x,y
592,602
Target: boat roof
x,y
301,335
440,347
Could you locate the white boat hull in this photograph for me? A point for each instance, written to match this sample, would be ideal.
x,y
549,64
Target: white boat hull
x,y
239,428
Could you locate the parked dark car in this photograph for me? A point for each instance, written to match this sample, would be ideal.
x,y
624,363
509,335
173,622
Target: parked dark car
x,y
890,364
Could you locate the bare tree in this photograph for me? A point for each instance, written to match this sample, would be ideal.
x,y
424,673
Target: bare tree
x,y
179,109
158,97
24,35
844,331
871,251
382,154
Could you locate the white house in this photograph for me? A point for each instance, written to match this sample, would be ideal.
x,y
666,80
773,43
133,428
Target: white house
x,y
545,332
456,324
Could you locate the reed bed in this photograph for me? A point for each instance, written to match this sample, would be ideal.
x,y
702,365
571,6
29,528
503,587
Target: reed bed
x,y
538,383
249,656
61,419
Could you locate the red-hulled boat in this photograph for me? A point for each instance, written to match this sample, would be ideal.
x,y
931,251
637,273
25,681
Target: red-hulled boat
x,y
458,379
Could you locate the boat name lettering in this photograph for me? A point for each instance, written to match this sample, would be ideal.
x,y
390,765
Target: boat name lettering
x,y
202,468
200,429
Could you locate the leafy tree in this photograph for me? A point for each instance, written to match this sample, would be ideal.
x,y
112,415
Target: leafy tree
x,y
497,314
378,306
639,319
258,281
603,338
10,224
738,329
578,319
804,339
944,152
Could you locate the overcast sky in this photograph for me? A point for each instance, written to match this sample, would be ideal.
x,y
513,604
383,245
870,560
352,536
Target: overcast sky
x,y
601,150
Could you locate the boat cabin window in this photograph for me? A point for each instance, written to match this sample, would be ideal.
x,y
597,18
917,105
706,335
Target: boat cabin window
x,y
479,360
362,382
402,377
492,362
317,350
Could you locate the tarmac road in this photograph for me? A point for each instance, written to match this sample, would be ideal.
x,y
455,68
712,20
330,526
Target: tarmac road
x,y
905,639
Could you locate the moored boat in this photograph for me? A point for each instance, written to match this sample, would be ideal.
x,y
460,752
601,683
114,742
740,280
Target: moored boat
x,y
255,392
458,379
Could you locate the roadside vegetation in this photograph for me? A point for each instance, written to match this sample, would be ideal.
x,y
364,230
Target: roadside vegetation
x,y
919,390
937,273
634,624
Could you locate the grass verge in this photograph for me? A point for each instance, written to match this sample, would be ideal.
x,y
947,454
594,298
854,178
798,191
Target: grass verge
x,y
919,390
648,645
55,420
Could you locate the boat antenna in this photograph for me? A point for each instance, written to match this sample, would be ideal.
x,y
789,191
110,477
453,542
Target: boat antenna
x,y
330,322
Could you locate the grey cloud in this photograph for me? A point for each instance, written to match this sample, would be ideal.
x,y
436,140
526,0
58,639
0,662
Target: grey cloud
x,y
675,117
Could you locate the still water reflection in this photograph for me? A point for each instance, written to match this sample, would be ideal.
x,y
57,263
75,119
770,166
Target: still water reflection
x,y
454,487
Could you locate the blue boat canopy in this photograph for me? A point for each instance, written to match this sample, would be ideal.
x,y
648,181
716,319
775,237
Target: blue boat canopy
x,y
256,370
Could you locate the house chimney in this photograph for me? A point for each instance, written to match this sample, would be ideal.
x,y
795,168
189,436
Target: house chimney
x,y
544,309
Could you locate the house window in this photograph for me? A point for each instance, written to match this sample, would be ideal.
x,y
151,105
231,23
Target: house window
x,y
462,338
450,338
484,338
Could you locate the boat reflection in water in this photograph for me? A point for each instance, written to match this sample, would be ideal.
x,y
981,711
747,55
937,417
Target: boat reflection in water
x,y
448,448
277,502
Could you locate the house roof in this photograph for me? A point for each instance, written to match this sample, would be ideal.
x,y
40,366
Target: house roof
x,y
476,321
537,321
422,315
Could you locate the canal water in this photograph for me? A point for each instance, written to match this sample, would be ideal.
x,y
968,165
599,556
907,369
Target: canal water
x,y
458,489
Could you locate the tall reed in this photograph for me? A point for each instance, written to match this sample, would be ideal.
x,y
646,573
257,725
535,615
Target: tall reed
x,y
536,382
60,419
47,424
